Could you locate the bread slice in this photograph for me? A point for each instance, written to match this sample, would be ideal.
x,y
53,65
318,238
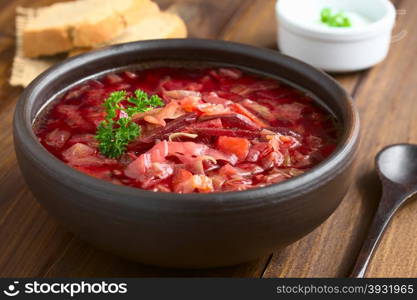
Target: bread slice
x,y
81,23
164,25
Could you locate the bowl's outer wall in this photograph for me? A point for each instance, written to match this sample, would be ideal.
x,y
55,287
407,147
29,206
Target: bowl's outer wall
x,y
189,233
213,238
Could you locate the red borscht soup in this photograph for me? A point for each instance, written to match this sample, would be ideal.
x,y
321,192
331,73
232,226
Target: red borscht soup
x,y
204,130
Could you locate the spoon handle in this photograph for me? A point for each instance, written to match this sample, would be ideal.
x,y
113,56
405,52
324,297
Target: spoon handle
x,y
387,206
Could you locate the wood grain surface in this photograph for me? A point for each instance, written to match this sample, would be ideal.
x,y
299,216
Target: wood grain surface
x,y
34,244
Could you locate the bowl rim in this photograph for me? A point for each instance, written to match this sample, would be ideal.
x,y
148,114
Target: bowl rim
x,y
106,191
338,34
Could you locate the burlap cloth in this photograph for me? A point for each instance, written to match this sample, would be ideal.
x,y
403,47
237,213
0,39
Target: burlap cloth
x,y
25,69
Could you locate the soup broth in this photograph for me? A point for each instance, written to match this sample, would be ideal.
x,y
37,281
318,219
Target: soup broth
x,y
217,130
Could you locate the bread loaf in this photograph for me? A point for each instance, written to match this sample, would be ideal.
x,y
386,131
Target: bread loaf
x,y
82,23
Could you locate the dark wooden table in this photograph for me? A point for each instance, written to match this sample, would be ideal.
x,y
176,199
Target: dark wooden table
x,y
34,244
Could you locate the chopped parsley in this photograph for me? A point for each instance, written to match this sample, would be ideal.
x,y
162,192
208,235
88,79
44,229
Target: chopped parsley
x,y
331,19
114,134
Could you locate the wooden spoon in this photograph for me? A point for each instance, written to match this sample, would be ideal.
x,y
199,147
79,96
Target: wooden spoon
x,y
397,169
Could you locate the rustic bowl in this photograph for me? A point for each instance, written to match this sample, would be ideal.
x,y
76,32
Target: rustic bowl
x,y
192,230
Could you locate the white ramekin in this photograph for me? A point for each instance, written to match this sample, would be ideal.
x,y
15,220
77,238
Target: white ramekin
x,y
335,49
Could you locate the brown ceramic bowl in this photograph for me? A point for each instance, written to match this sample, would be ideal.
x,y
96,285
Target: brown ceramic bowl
x,y
192,230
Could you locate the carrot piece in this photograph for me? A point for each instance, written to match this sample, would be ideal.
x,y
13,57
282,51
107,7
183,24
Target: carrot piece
x,y
185,182
234,145
241,110
190,104
182,181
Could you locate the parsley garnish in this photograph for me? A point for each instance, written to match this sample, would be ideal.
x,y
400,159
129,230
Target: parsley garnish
x,y
114,134
334,19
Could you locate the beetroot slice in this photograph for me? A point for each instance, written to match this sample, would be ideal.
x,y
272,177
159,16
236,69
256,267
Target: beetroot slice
x,y
164,132
233,121
212,123
250,134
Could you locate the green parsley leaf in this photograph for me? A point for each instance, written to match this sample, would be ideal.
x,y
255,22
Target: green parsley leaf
x,y
142,103
334,19
112,103
114,134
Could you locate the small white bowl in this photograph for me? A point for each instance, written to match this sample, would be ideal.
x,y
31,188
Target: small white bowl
x,y
335,49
